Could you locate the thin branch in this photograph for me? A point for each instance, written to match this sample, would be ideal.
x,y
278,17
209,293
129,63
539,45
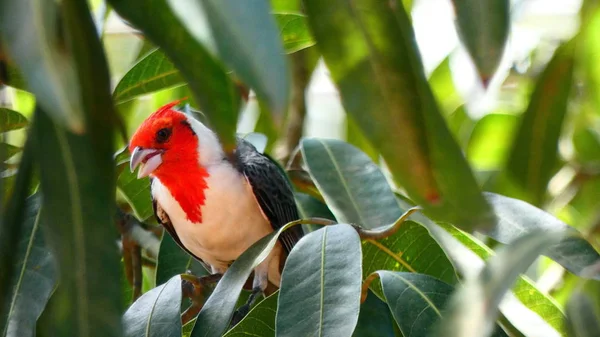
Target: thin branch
x,y
384,232
146,239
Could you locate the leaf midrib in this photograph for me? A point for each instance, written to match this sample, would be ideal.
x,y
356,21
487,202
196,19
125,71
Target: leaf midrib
x,y
23,268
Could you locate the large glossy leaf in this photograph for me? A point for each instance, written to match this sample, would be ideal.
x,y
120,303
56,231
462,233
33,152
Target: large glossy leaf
x,y
524,290
483,27
375,319
516,218
369,47
583,310
136,191
152,73
473,308
11,120
260,321
294,31
357,192
39,52
217,311
247,40
533,157
156,313
321,282
415,300
35,277
213,90
11,230
78,184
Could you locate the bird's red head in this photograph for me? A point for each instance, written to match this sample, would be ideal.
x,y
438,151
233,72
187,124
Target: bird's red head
x,y
164,142
165,146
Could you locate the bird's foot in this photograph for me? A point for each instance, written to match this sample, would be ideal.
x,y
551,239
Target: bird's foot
x,y
242,311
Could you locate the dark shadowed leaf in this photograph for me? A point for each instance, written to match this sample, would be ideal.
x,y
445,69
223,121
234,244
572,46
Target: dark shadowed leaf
x,y
524,289
45,64
152,73
213,90
136,191
14,78
172,260
12,228
78,185
310,207
583,310
156,313
473,308
357,192
369,47
217,311
35,277
246,37
375,319
294,31
483,27
11,120
516,218
533,157
260,321
321,282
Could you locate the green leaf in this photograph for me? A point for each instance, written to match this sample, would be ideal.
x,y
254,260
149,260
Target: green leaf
x,y
213,90
483,27
534,153
152,73
8,150
357,192
260,321
516,217
217,310
473,308
524,290
38,50
369,47
11,120
13,77
490,140
294,31
78,184
172,260
11,229
443,88
156,313
310,207
375,319
136,192
353,187
35,278
583,310
415,300
246,37
323,273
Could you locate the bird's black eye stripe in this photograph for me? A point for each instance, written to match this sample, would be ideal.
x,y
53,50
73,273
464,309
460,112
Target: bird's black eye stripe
x,y
163,135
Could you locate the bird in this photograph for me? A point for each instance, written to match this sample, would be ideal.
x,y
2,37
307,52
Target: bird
x,y
214,205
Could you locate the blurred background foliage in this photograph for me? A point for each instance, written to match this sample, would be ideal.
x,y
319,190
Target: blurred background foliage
x,y
516,82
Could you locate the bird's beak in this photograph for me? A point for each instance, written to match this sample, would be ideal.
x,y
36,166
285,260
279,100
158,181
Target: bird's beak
x,y
148,160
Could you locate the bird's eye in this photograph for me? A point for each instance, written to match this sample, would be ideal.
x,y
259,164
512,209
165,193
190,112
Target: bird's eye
x,y
163,135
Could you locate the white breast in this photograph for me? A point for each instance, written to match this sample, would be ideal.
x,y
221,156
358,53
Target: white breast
x,y
231,217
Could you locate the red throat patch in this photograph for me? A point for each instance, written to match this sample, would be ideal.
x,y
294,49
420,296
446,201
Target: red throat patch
x,y
187,187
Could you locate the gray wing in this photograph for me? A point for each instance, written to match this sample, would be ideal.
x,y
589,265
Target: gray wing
x,y
272,190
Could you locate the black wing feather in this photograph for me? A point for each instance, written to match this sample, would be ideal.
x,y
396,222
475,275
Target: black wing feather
x,y
272,190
